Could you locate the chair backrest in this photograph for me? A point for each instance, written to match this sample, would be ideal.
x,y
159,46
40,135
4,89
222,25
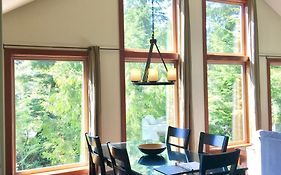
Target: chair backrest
x,y
219,162
96,158
180,133
120,160
213,140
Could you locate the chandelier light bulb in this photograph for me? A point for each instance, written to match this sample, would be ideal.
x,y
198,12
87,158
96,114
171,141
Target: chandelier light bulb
x,y
152,75
172,74
135,75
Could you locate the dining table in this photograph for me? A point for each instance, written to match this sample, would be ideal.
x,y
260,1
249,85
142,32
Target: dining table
x,y
169,158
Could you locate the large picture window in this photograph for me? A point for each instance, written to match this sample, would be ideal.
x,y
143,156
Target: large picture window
x,y
148,109
48,113
226,65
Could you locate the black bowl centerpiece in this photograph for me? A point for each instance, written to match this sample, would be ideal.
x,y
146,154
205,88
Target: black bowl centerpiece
x,y
152,148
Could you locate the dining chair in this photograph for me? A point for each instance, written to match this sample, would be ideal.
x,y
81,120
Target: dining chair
x,y
213,140
120,160
218,163
96,158
181,133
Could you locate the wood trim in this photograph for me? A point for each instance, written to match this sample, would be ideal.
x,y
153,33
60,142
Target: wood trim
x,y
10,55
64,169
176,96
226,59
135,55
9,114
175,25
244,29
230,1
122,71
205,68
268,63
246,66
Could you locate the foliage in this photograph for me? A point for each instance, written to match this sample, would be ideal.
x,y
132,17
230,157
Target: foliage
x,y
142,101
48,112
137,23
224,98
223,28
275,84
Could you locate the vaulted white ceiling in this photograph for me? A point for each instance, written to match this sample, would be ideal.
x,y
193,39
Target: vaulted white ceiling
x,y
8,5
275,5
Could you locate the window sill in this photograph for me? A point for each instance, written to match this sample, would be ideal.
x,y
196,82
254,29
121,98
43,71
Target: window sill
x,y
230,147
84,170
243,145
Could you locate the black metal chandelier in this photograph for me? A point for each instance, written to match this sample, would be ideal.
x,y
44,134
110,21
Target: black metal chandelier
x,y
150,76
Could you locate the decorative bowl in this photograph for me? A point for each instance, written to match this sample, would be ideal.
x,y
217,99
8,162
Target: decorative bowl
x,y
152,148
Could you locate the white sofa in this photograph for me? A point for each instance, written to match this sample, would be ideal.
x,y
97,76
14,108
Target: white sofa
x,y
264,157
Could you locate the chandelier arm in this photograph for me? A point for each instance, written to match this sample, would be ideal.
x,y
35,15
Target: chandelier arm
x,y
161,57
148,61
152,18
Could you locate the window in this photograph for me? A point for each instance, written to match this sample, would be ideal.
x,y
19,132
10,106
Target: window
x,y
147,107
225,69
274,86
48,115
138,27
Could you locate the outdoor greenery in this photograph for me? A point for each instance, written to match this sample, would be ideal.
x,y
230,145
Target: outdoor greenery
x,y
138,23
48,97
275,84
223,26
225,99
142,101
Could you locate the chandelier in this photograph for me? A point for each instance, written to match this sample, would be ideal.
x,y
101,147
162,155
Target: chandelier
x,y
150,76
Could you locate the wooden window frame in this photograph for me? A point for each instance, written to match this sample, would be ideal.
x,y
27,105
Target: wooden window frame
x,y
269,62
135,55
220,58
11,54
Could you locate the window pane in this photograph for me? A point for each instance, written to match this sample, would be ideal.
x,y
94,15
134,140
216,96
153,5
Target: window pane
x,y
137,24
223,27
48,104
225,100
275,87
149,109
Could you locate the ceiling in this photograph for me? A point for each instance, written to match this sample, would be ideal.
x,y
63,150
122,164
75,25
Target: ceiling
x,y
9,5
275,4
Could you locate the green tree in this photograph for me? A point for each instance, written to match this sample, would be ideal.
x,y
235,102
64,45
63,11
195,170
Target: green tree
x,y
48,112
275,84
137,23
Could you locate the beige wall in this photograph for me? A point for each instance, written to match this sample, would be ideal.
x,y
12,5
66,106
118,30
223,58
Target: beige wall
x,y
95,22
269,28
75,23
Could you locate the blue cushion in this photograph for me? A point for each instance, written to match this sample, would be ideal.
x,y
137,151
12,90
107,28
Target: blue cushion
x,y
271,134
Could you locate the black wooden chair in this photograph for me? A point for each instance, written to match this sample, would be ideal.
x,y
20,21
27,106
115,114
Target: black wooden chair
x,y
96,158
219,163
120,160
180,133
213,140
